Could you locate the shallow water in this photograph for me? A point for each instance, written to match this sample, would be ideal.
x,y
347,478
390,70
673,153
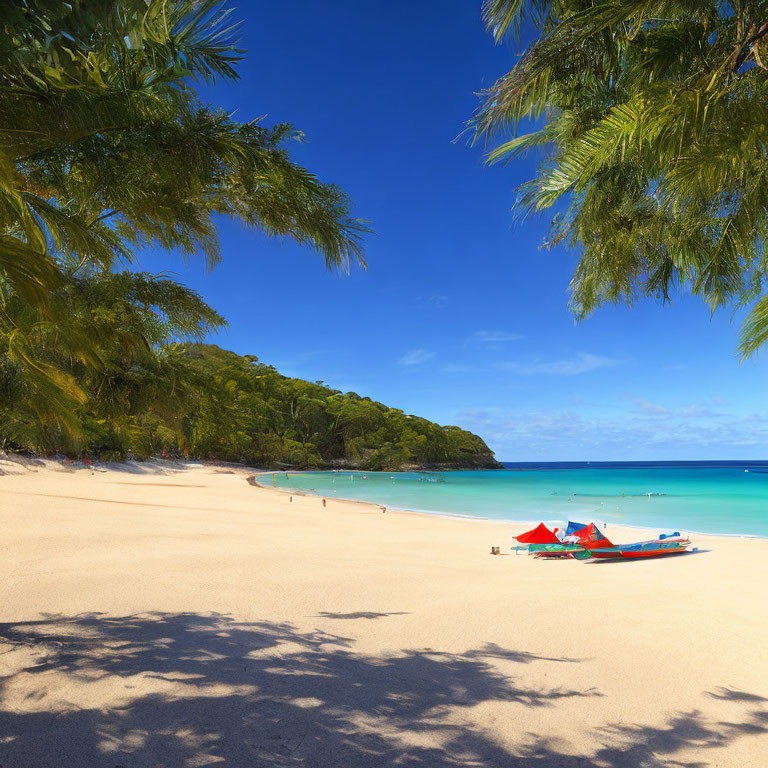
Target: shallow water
x,y
708,497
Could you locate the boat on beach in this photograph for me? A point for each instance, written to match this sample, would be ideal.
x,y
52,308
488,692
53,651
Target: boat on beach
x,y
651,548
578,541
588,542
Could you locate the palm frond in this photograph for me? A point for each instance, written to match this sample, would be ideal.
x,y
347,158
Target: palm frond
x,y
652,127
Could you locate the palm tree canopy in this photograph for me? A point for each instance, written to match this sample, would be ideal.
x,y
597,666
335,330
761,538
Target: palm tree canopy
x,y
99,333
104,145
652,116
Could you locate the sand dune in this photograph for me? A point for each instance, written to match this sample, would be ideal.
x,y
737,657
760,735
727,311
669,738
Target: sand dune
x,y
161,616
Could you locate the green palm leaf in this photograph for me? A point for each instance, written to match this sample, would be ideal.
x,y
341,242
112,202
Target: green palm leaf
x,y
654,135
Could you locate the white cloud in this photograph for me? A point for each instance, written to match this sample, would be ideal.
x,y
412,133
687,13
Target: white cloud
x,y
582,362
438,299
692,410
561,434
494,337
415,356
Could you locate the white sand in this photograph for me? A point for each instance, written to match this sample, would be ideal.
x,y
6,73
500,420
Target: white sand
x,y
163,617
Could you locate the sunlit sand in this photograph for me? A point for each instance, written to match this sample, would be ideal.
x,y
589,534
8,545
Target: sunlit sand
x,y
161,615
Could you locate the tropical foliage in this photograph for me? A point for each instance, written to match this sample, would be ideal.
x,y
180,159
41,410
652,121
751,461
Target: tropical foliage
x,y
196,400
106,148
102,361
652,117
254,414
104,144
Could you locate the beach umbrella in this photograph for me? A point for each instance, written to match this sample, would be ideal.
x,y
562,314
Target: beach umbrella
x,y
591,537
573,527
538,535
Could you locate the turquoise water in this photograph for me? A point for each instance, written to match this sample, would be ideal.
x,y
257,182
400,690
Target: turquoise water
x,y
705,498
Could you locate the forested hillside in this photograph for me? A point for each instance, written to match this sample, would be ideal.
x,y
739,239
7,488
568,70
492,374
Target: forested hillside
x,y
250,412
199,401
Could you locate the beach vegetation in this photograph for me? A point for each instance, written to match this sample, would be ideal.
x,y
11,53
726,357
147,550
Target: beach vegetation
x,y
191,400
106,148
649,119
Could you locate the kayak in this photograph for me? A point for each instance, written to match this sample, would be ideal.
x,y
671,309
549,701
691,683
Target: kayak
x,y
656,548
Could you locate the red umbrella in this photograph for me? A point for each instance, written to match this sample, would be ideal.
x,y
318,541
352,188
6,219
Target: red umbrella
x,y
591,537
538,535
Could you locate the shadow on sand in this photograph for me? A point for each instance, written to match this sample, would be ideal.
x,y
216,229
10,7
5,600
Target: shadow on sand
x,y
178,690
358,615
625,560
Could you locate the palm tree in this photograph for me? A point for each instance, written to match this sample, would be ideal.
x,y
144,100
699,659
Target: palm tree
x,y
105,350
104,144
105,147
652,118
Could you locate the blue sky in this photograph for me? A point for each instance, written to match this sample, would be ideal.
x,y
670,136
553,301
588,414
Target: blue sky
x,y
460,317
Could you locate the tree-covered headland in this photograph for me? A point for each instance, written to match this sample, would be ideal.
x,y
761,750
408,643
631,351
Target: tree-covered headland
x,y
199,401
270,419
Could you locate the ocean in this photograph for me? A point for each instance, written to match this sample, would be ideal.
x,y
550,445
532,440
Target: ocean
x,y
704,496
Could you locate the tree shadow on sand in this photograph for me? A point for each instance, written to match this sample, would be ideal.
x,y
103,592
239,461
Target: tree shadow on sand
x,y
168,690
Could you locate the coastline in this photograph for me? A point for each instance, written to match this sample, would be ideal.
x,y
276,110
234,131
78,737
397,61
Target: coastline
x,y
477,518
171,614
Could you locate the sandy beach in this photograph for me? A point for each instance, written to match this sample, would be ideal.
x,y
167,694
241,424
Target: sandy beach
x,y
157,615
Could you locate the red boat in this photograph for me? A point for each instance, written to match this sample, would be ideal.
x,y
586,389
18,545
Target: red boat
x,y
653,548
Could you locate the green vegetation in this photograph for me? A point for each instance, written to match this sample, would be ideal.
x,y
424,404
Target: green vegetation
x,y
196,400
105,148
652,119
251,413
